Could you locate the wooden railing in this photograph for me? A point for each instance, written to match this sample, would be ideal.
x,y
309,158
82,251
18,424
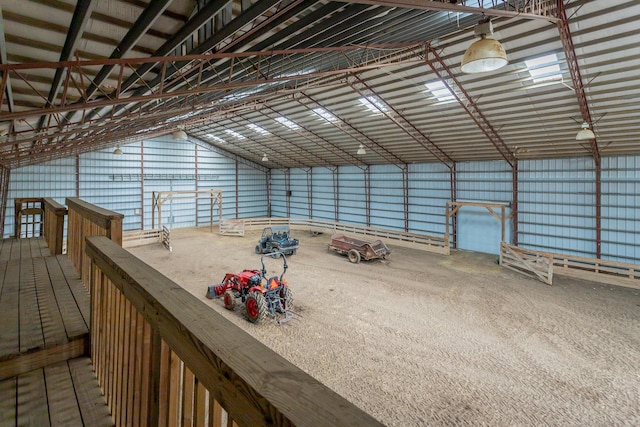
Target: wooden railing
x,y
545,264
54,214
434,244
85,220
164,358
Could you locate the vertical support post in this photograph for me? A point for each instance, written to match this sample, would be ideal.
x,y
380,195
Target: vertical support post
x,y
336,193
453,186
142,185
268,176
514,203
598,203
309,192
196,186
287,190
5,174
502,221
77,176
405,194
367,194
237,189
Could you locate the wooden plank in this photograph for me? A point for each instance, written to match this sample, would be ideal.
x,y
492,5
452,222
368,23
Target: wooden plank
x,y
52,324
200,404
28,362
78,289
8,402
93,406
63,406
31,335
187,396
175,385
32,400
10,329
74,323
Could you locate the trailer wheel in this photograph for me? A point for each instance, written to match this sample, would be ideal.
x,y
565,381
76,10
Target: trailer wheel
x,y
229,300
256,307
354,256
286,297
258,250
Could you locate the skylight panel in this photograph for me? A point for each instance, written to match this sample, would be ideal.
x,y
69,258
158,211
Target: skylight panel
x,y
215,138
374,104
258,129
325,114
440,91
234,134
544,68
286,122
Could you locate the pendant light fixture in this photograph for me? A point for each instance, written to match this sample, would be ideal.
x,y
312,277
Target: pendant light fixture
x,y
361,151
265,158
180,135
117,151
585,134
485,54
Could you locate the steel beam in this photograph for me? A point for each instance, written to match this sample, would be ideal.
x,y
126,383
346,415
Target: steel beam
x,y
79,21
583,103
5,175
403,123
527,9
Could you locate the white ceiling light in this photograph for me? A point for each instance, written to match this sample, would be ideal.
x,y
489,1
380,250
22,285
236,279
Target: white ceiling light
x,y
585,133
484,54
265,158
117,151
180,135
361,151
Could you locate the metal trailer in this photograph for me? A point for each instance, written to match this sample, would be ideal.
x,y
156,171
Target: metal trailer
x,y
357,249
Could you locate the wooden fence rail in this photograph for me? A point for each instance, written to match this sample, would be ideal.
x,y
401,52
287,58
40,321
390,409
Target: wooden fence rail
x,y
54,214
164,358
412,240
86,220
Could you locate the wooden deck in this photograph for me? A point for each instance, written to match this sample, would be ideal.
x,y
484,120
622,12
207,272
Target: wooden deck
x,y
46,377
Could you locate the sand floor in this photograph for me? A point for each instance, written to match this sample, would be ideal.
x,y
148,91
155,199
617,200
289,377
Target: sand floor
x,y
427,340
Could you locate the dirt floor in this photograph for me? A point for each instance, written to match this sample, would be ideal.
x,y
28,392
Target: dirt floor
x,y
424,339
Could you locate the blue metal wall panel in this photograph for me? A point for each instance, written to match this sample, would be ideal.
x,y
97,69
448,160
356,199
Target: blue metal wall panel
x,y
278,194
387,198
113,182
215,173
487,181
557,205
620,208
252,192
299,199
351,195
323,195
55,179
429,191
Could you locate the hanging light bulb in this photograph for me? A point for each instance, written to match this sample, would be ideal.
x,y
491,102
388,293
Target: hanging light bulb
x,y
265,158
361,151
117,151
585,134
180,135
484,54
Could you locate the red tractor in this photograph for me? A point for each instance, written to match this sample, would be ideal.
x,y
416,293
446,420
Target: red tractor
x,y
260,295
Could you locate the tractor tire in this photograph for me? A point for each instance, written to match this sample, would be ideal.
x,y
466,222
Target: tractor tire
x,y
258,250
229,300
354,256
256,307
286,298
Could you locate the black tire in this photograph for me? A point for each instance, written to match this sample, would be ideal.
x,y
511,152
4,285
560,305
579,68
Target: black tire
x,y
276,255
258,250
286,298
256,307
354,256
229,300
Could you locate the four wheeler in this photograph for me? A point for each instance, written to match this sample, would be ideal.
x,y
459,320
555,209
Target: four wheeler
x,y
276,239
260,295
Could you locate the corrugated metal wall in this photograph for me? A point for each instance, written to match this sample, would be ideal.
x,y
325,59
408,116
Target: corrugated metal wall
x,y
556,196
124,183
621,208
557,205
